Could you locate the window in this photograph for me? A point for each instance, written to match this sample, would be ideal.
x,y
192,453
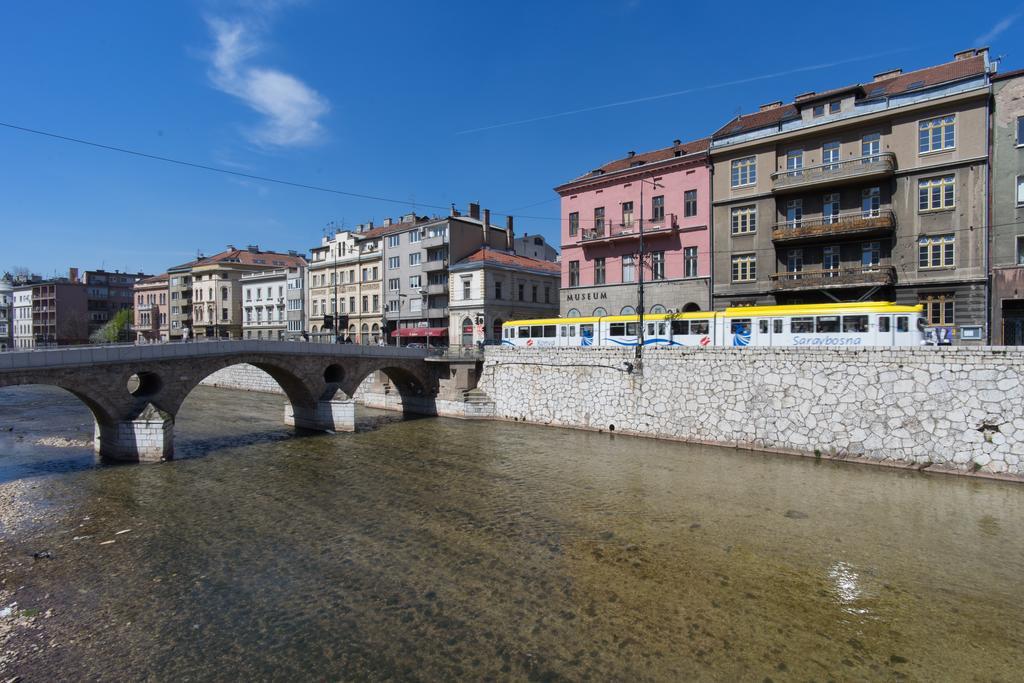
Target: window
x,y
522,292
884,323
855,323
826,323
414,236
689,261
936,135
627,214
830,259
1020,190
777,326
938,308
819,110
658,208
574,273
415,282
394,262
598,271
830,156
497,290
599,219
573,313
935,194
574,223
1020,133
870,254
394,284
365,308
795,261
744,220
744,172
744,268
936,251
794,212
467,288
394,240
376,302
1020,250
870,146
657,265
628,269
794,162
547,294
833,106
870,202
690,203
533,293
414,258
830,208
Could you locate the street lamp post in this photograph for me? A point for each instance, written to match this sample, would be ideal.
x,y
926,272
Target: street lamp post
x,y
398,325
640,259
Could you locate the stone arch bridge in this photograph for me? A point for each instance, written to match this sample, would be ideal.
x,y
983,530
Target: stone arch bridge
x,y
134,392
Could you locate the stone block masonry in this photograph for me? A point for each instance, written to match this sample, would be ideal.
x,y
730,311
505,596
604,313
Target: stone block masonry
x,y
955,408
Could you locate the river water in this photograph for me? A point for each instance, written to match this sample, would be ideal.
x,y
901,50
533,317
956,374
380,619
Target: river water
x,y
437,549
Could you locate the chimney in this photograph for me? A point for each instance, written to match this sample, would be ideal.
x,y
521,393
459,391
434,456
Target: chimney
x,y
387,221
967,54
485,225
509,234
677,142
369,225
73,274
630,154
886,75
771,105
231,247
254,248
474,210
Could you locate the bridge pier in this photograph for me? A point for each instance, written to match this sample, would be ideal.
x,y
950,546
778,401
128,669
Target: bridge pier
x,y
149,437
335,415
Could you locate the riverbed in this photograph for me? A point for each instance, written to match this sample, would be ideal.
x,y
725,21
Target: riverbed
x,y
432,548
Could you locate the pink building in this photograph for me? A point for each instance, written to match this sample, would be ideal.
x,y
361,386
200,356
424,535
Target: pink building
x,y
670,190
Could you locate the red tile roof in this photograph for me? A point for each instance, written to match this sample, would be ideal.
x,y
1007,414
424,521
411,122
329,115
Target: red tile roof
x,y
155,280
1008,74
664,154
920,79
245,257
486,255
394,227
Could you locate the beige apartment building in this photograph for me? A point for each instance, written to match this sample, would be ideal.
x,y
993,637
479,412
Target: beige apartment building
x,y
150,321
344,284
874,191
216,288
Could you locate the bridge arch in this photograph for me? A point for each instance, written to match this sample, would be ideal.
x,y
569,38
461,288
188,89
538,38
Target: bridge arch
x,y
91,395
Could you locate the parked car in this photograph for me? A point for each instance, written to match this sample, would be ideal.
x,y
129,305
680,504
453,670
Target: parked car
x,y
416,345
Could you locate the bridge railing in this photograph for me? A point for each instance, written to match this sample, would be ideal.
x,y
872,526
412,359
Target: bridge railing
x,y
119,353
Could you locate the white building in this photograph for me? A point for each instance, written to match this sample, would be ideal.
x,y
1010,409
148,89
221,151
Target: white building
x,y
534,246
264,308
490,287
6,312
23,336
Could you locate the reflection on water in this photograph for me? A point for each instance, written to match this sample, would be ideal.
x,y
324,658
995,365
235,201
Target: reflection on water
x,y
438,549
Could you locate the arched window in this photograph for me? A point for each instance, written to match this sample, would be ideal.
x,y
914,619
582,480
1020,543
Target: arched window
x,y
365,334
627,310
314,329
573,313
691,307
657,308
600,312
467,332
375,331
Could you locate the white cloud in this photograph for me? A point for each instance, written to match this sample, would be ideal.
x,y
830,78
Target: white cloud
x,y
291,109
993,33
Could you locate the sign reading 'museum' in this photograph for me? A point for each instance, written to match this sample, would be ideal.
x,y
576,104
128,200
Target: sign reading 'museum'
x,y
586,296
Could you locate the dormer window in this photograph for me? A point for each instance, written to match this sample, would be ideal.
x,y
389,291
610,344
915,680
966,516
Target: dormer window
x,y
833,107
819,110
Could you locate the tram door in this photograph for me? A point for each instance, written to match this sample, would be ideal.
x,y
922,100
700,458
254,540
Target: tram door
x,y
884,335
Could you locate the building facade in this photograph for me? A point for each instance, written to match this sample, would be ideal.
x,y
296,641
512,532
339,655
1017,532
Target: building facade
x,y
1007,212
535,247
264,304
6,312
295,303
179,287
490,287
150,315
216,284
344,284
60,313
875,191
23,336
107,294
668,193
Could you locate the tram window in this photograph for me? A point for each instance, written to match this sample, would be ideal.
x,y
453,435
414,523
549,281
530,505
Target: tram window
x,y
572,330
617,329
802,326
699,327
680,327
855,323
902,323
883,323
536,331
650,329
741,326
550,331
632,329
661,329
777,326
762,326
587,331
561,330
827,323
524,332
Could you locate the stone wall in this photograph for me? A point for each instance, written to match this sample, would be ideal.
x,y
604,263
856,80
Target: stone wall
x,y
245,377
945,408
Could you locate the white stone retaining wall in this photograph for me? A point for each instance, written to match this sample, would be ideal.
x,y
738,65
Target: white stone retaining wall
x,y
949,407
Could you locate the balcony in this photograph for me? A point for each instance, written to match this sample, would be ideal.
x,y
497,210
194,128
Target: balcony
x,y
861,168
440,288
852,224
622,232
436,312
856,276
433,242
434,266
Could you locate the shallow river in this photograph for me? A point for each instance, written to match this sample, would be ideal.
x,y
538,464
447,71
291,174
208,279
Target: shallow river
x,y
437,549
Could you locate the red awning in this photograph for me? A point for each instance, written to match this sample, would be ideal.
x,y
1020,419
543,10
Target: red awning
x,y
420,332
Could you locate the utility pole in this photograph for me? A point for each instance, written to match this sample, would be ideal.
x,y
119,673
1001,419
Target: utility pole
x,y
640,264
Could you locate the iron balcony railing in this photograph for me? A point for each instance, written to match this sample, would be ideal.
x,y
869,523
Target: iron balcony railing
x,y
610,231
872,165
853,222
835,277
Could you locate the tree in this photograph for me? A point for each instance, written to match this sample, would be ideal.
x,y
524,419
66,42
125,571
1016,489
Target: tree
x,y
117,328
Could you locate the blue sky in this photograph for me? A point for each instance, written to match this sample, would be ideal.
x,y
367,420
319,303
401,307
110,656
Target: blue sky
x,y
377,98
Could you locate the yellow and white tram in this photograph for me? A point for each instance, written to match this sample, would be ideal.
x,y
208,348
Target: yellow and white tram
x,y
872,323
